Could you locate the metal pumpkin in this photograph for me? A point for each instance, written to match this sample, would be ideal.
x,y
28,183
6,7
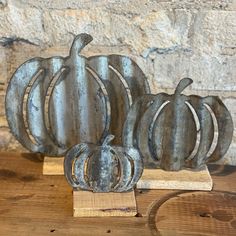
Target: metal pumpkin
x,y
54,103
177,131
103,168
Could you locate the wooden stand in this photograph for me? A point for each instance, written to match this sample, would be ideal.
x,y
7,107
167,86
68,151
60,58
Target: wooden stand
x,y
89,204
184,179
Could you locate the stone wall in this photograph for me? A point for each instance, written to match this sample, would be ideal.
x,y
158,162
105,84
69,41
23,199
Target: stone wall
x,y
168,39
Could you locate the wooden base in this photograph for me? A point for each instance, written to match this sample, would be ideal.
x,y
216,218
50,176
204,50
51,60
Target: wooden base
x,y
89,204
53,166
184,179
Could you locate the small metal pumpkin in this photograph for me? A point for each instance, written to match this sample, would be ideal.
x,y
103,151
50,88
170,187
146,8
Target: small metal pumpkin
x,y
177,131
103,168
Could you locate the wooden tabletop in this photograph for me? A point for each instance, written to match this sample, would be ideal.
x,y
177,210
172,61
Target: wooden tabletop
x,y
33,204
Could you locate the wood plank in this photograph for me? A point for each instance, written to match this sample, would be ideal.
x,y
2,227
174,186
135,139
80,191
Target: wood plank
x,y
53,166
183,179
89,204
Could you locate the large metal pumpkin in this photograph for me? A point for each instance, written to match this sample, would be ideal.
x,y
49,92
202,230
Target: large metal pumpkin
x,y
54,103
177,131
103,168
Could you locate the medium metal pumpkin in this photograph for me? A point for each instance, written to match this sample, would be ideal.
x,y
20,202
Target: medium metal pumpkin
x,y
177,131
103,168
54,103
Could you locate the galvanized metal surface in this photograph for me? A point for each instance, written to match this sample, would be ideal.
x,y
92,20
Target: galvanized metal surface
x,y
103,168
177,131
54,103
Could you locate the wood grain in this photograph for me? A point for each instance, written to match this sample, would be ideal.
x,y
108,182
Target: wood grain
x,y
203,212
35,204
89,204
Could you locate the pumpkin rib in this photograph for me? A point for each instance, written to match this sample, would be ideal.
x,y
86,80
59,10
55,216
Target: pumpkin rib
x,y
36,119
124,83
118,112
80,165
125,171
14,102
152,127
25,113
52,109
215,133
135,157
106,99
47,111
156,135
206,131
198,132
80,153
118,165
145,129
225,127
28,103
117,92
132,119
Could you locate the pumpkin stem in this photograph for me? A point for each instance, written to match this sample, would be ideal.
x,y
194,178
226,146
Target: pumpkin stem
x,y
80,42
185,82
108,139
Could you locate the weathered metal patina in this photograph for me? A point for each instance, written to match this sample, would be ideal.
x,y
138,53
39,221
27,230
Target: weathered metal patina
x,y
54,103
177,131
103,168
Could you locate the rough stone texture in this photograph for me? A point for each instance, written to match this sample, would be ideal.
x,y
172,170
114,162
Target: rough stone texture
x,y
168,39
